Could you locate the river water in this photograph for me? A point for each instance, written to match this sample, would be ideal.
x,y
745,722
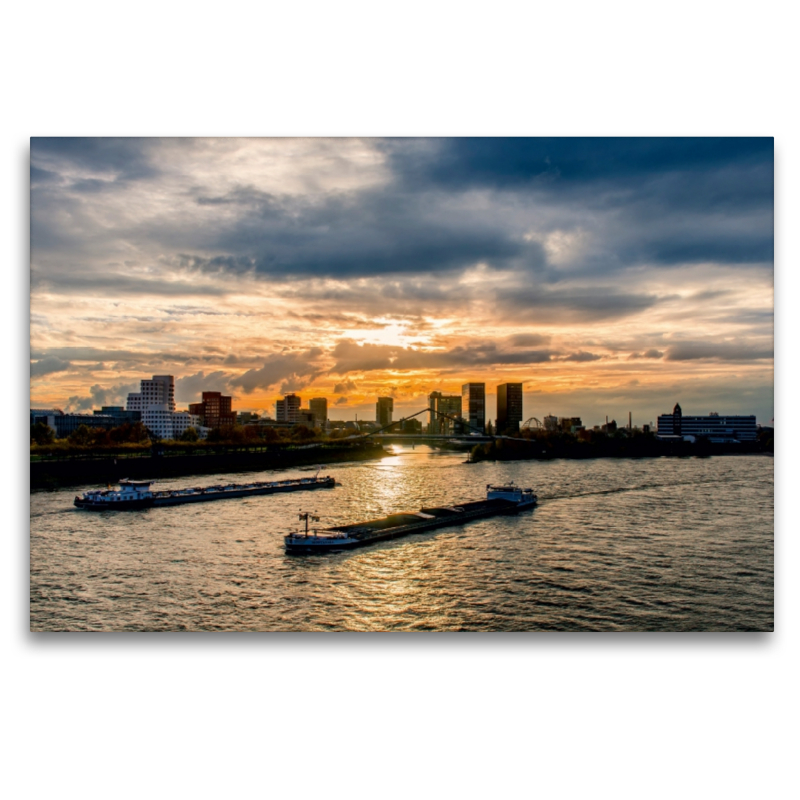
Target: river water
x,y
615,545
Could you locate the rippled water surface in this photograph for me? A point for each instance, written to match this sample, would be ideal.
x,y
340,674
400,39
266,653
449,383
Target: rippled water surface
x,y
653,544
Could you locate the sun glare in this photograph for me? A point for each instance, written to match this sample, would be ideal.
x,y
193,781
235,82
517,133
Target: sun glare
x,y
392,333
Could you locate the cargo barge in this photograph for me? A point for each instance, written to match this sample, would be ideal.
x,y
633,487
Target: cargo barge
x,y
134,495
506,499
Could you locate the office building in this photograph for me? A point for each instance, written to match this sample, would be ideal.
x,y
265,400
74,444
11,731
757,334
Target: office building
x,y
570,424
473,397
319,408
288,409
46,416
214,410
383,411
713,427
305,416
158,419
439,404
509,407
120,415
65,424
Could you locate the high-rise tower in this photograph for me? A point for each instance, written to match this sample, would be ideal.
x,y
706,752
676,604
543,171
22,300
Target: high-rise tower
x,y
288,409
509,406
449,404
473,396
383,411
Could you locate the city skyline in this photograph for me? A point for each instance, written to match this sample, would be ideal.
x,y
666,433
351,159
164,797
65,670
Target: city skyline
x,y
606,275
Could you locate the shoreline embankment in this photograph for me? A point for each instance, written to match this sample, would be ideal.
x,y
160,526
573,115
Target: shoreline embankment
x,y
639,447
71,471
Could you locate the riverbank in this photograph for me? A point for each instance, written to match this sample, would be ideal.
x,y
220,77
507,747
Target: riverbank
x,y
61,473
546,448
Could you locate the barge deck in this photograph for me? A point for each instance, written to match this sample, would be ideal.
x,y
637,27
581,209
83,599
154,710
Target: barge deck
x,y
500,500
135,495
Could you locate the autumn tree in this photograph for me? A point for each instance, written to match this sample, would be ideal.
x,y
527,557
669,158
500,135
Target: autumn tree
x,y
42,434
189,435
81,436
302,433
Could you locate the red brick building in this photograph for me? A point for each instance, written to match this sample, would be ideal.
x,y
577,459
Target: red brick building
x,y
214,411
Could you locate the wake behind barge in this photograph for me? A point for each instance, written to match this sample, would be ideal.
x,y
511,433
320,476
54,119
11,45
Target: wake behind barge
x,y
134,495
507,499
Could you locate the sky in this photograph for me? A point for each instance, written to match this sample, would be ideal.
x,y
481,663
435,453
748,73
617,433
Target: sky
x,y
607,275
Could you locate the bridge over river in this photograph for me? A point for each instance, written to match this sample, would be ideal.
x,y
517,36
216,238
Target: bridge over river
x,y
473,437
431,438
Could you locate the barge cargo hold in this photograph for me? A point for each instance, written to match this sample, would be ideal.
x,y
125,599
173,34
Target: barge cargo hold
x,y
507,499
135,495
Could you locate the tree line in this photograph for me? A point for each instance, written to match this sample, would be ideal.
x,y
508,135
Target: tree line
x,y
540,444
137,435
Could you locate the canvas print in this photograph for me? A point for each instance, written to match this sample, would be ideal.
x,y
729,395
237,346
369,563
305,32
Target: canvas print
x,y
401,384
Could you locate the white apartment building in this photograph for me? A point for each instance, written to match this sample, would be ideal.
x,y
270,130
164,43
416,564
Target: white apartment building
x,y
158,391
182,420
168,424
156,402
158,419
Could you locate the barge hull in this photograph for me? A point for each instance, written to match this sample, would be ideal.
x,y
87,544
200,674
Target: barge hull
x,y
159,501
471,512
177,501
122,505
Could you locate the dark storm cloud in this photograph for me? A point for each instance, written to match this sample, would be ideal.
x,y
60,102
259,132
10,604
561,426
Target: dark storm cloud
x,y
651,353
447,205
569,304
97,354
190,389
373,232
560,163
353,357
717,351
235,360
114,284
41,176
125,159
48,365
91,185
344,386
670,200
704,241
296,369
100,396
582,356
528,340
764,319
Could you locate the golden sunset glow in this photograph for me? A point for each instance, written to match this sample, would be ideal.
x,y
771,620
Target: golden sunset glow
x,y
349,269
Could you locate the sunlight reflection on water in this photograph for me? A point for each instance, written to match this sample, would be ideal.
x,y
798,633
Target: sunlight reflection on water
x,y
652,544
